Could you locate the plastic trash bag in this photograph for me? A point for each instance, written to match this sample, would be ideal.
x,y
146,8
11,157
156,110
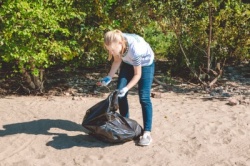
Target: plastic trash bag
x,y
103,122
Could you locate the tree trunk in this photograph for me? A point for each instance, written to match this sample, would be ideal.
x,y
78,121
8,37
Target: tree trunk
x,y
35,84
209,38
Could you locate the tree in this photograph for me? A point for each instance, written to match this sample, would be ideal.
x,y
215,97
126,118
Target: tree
x,y
36,35
206,34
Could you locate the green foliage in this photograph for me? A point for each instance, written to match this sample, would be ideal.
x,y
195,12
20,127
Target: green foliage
x,y
159,41
189,21
37,34
232,31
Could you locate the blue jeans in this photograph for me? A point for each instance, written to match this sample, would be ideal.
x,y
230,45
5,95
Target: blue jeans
x,y
144,90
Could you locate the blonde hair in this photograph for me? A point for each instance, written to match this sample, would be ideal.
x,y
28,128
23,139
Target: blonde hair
x,y
114,36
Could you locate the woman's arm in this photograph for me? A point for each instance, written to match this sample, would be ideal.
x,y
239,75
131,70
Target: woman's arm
x,y
115,66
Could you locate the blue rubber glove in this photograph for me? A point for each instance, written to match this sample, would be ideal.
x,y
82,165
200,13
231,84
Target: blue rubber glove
x,y
106,80
122,92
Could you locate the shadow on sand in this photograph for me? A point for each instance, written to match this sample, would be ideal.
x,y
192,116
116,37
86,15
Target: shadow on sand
x,y
60,140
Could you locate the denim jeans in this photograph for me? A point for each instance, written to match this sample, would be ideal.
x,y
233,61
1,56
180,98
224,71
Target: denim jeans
x,y
144,91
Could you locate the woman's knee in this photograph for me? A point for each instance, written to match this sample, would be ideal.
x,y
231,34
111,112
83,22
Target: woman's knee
x,y
145,98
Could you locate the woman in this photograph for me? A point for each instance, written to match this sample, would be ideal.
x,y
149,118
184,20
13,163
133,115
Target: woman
x,y
135,58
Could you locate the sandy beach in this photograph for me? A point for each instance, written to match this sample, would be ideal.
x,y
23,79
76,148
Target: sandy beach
x,y
187,131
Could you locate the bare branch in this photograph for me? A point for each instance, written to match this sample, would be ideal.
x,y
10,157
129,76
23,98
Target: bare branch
x,y
188,65
201,49
215,79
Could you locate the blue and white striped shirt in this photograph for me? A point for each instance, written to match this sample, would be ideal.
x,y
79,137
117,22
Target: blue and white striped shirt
x,y
139,51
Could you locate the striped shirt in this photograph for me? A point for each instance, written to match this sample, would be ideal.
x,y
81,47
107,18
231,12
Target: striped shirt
x,y
139,51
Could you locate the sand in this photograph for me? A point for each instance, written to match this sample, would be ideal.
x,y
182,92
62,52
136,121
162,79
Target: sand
x,y
187,131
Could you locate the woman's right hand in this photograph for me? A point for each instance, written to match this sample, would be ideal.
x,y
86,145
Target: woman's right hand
x,y
106,80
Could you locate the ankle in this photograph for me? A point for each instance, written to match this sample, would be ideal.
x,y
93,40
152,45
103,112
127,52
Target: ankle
x,y
146,133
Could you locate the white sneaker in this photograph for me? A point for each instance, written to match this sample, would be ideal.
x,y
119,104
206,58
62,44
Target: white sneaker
x,y
145,140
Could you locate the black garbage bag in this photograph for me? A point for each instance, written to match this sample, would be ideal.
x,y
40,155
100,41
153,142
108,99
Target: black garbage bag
x,y
103,122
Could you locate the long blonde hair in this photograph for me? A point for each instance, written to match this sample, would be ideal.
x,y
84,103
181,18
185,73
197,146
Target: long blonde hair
x,y
114,36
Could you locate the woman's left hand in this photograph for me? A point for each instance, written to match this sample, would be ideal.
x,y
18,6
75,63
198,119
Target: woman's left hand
x,y
123,92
